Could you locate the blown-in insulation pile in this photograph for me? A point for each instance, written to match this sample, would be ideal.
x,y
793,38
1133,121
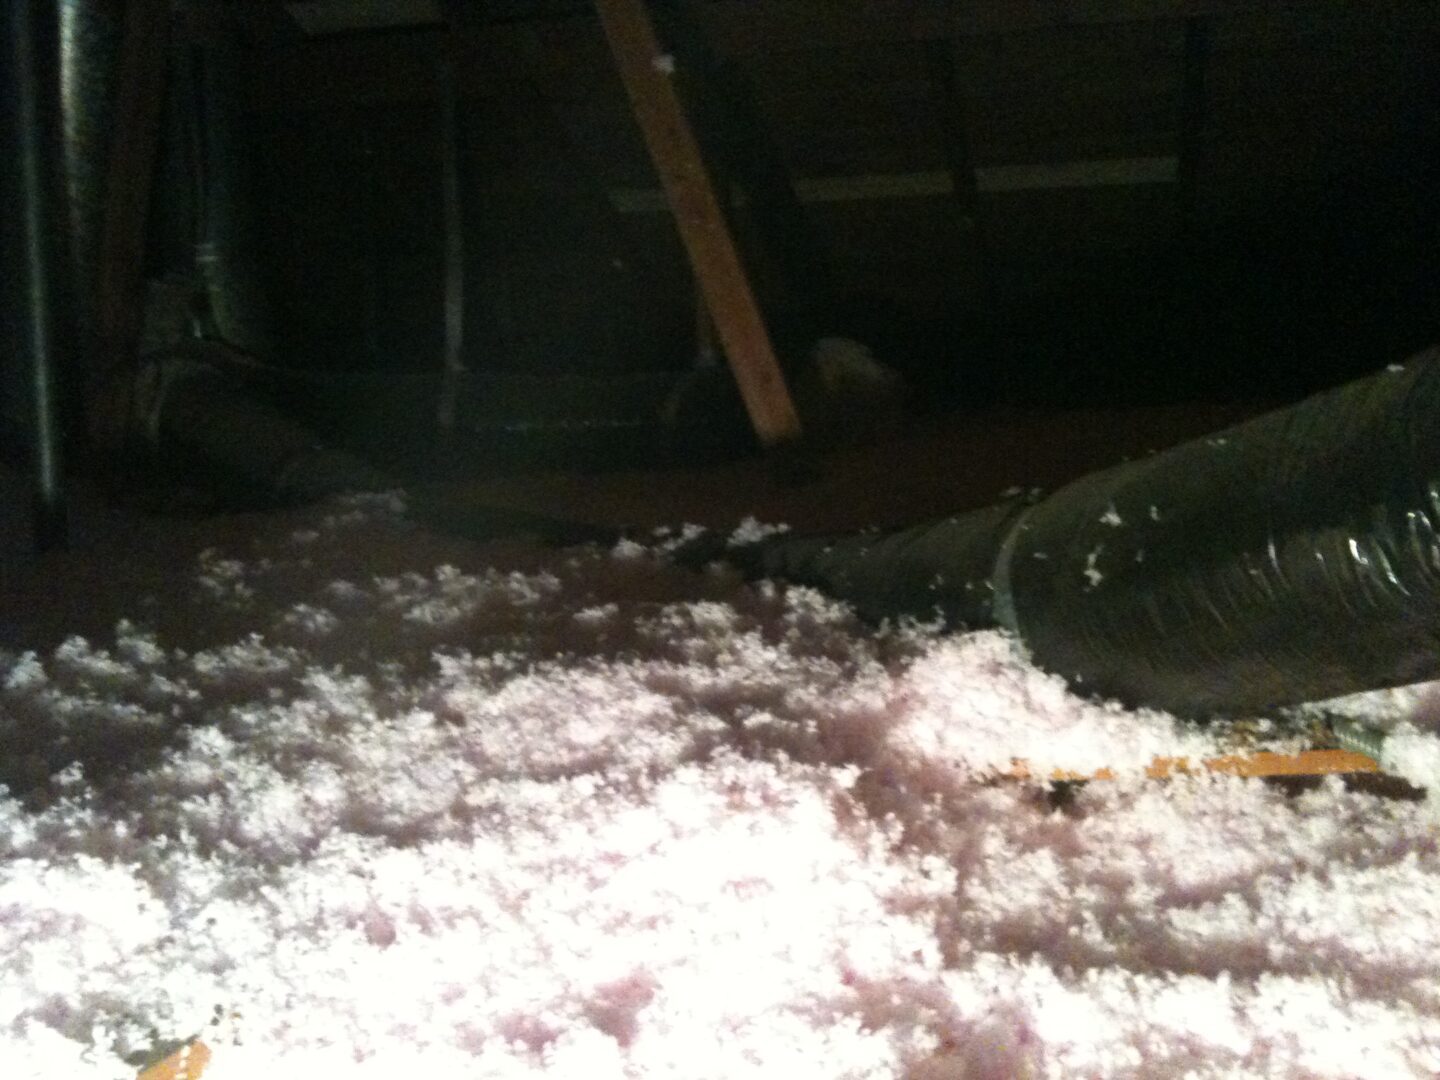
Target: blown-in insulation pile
x,y
345,799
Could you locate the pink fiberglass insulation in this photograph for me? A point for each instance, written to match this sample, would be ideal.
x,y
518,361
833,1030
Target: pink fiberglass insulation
x,y
363,802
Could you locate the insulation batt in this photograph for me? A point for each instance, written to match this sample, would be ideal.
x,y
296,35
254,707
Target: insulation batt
x,y
348,800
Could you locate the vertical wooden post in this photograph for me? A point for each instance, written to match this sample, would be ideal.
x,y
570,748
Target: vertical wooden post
x,y
186,1063
707,352
646,71
109,338
729,124
454,360
944,64
1192,117
140,92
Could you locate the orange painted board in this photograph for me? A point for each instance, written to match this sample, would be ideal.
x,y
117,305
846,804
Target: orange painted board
x,y
187,1063
139,105
1260,763
647,72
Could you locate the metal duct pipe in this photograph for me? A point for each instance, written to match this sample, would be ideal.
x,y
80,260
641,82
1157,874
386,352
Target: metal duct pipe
x,y
1295,557
112,68
195,408
90,36
33,32
185,407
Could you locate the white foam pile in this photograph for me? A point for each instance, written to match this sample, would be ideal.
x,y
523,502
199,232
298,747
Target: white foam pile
x,y
584,814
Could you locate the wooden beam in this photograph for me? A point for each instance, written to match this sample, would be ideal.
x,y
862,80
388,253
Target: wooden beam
x,y
135,131
109,339
1259,764
1192,116
731,129
453,226
646,71
187,1063
989,180
943,61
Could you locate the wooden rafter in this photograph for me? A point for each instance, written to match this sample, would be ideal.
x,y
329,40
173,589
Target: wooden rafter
x,y
730,126
646,71
1192,114
1259,764
187,1063
135,135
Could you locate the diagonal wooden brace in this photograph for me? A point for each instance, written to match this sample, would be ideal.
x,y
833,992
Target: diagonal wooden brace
x,y
646,71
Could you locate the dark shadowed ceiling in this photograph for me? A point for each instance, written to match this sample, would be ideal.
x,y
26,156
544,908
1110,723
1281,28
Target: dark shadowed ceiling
x,y
1011,201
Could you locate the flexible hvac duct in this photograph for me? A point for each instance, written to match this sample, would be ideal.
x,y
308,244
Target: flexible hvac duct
x,y
193,410
182,408
1292,558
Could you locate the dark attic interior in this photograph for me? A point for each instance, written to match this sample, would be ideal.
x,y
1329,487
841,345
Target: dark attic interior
x,y
992,244
632,538
573,269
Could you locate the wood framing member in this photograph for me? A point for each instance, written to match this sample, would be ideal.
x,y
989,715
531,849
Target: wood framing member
x,y
344,69
1192,114
135,128
453,361
990,180
943,61
646,71
730,127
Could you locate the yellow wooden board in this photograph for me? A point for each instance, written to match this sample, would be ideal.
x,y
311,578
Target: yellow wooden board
x,y
187,1063
647,72
1260,763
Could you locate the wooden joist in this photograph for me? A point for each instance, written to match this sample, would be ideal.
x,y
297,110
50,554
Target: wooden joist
x,y
1259,764
135,128
1192,116
186,1063
453,357
646,70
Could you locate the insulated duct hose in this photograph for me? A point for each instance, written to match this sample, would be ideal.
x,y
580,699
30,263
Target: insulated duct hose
x,y
194,408
180,407
1293,558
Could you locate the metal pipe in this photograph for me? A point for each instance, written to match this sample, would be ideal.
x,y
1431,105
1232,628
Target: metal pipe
x,y
224,258
35,37
90,36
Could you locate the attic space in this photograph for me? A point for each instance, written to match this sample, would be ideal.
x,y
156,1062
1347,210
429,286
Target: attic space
x,y
442,238
1018,203
719,539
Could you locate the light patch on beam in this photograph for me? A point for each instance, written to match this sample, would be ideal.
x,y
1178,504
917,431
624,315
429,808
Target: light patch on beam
x,y
1105,172
320,17
992,179
874,186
